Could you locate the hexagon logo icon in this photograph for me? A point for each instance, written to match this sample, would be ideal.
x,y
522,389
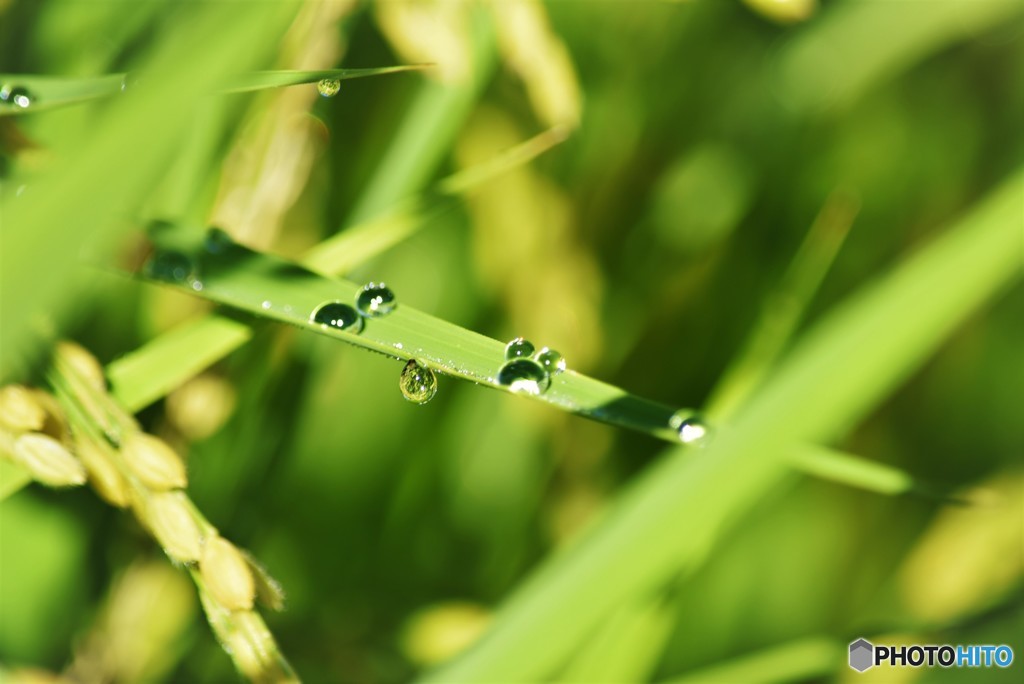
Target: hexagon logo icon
x,y
862,655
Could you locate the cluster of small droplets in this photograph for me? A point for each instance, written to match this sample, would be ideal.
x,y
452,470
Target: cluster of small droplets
x,y
16,96
528,372
328,87
418,382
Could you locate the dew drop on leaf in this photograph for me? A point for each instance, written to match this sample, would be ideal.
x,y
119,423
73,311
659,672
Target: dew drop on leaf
x,y
524,375
337,315
690,428
17,96
328,87
550,360
375,299
517,348
418,382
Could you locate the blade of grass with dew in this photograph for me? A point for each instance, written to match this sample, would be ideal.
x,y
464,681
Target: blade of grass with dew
x,y
145,375
865,348
794,661
260,80
51,92
108,174
355,245
275,289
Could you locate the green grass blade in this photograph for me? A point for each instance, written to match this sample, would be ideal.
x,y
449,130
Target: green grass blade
x,y
843,54
339,254
261,80
794,661
272,288
784,308
865,348
51,92
141,377
432,121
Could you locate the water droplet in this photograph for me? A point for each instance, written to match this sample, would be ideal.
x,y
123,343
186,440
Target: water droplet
x,y
17,96
328,87
171,266
375,299
399,345
130,81
418,382
517,348
217,241
337,315
524,375
690,428
266,304
550,360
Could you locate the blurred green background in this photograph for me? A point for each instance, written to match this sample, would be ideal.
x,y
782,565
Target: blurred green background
x,y
706,137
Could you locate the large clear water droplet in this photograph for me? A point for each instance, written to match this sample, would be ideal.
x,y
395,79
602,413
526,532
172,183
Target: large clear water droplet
x,y
337,315
328,87
17,96
375,299
170,266
518,348
550,360
524,375
690,428
418,382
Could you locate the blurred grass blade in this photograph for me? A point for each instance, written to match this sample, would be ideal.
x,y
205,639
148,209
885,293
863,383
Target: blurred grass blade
x,y
353,246
830,464
843,53
785,307
627,647
431,123
795,661
260,80
865,348
50,92
142,376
